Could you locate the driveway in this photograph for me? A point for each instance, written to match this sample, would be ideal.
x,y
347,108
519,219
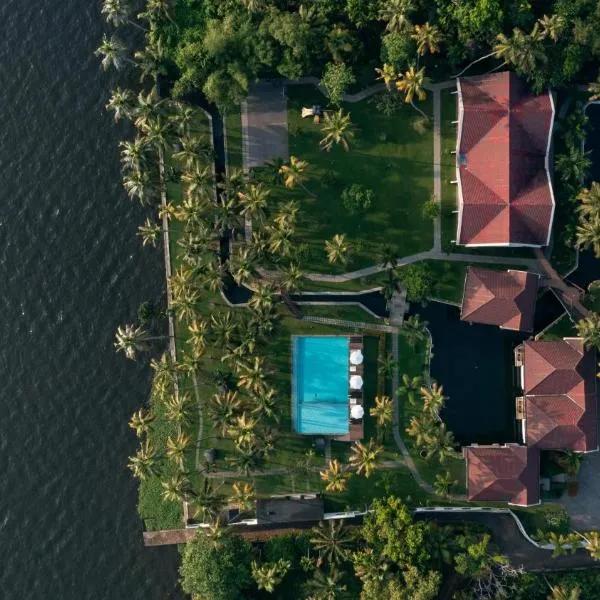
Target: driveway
x,y
584,509
264,124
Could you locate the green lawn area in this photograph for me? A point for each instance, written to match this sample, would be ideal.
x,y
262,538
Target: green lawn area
x,y
344,312
448,168
564,327
233,137
387,156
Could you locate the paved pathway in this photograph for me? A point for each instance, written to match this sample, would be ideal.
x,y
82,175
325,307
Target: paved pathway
x,y
584,509
264,124
351,324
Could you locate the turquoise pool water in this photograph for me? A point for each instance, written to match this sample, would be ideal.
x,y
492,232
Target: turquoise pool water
x,y
320,384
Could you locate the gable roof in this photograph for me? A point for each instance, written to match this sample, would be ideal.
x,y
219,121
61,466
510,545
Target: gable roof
x,y
559,380
503,474
503,298
505,191
307,508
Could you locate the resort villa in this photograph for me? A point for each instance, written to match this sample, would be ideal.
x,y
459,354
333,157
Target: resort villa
x,y
505,198
327,386
503,145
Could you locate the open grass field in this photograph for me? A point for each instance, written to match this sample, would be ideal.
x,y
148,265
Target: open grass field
x,y
388,156
233,131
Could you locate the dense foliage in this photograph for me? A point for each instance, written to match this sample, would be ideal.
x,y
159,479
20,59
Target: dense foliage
x,y
220,46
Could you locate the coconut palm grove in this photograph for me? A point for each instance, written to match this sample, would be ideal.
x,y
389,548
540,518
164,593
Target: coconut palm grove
x,y
374,370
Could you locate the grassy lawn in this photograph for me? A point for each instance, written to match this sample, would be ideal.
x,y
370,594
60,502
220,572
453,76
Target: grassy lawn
x,y
387,156
412,362
564,327
233,127
448,168
344,312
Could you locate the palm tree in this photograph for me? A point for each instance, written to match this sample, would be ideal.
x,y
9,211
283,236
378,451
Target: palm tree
x,y
433,399
157,130
149,232
411,84
252,376
117,13
245,463
337,128
121,103
226,217
294,173
188,154
133,153
552,26
253,201
592,541
521,50
224,327
335,476
164,372
149,106
222,408
113,51
198,330
176,448
395,14
207,501
183,117
286,216
140,421
176,489
280,241
414,330
339,42
291,276
420,429
590,200
428,38
364,457
594,90
326,586
588,328
263,297
157,10
389,256
198,182
387,74
151,61
337,249
588,234
265,404
269,575
386,365
570,461
177,409
410,386
131,340
243,495
444,483
213,276
137,184
142,464
383,412
241,265
439,442
185,305
243,431
561,592
332,541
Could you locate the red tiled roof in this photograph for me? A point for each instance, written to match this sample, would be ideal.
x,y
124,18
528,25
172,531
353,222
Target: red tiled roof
x,y
560,395
501,162
503,474
503,298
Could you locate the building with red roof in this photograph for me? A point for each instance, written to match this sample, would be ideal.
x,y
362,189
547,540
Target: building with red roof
x,y
508,473
502,298
559,394
505,193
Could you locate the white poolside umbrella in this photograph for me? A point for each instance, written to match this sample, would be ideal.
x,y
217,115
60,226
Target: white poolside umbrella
x,y
356,357
356,382
357,411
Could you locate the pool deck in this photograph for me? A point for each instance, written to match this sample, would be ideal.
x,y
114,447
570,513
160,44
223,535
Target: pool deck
x,y
356,426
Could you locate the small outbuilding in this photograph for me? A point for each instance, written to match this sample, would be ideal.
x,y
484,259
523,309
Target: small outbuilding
x,y
280,510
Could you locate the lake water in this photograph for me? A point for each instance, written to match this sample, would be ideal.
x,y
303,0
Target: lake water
x,y
71,269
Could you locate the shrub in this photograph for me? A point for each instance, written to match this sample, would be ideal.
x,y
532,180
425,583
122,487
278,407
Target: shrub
x,y
357,198
287,547
336,79
431,209
418,281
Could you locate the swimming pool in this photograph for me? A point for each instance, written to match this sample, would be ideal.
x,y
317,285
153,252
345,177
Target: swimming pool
x,y
320,384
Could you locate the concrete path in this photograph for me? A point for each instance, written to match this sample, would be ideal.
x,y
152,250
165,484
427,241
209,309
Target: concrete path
x,y
264,124
584,509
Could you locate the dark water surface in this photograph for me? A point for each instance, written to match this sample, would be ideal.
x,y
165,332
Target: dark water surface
x,y
71,270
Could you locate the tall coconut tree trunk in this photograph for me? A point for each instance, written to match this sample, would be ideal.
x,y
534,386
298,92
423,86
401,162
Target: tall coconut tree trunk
x,y
475,62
